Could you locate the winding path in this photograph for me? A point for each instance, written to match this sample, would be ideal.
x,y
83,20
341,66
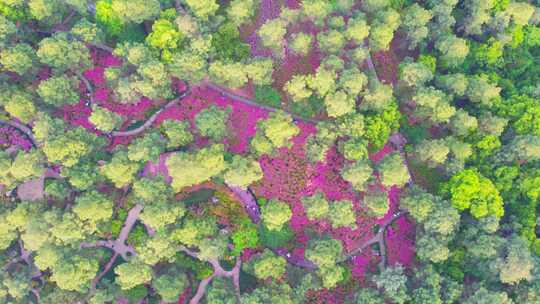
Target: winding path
x,y
250,102
234,274
152,118
119,245
21,128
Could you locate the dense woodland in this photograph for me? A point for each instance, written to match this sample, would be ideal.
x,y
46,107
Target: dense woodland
x,y
270,151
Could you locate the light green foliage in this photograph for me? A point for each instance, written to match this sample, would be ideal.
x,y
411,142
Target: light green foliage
x,y
270,293
188,65
7,232
470,190
414,23
36,234
331,276
316,10
331,42
324,253
19,58
68,229
432,248
213,248
357,29
230,74
75,273
462,124
274,132
177,133
482,295
20,105
17,285
58,91
272,33
433,104
150,191
45,127
260,70
297,88
164,36
69,147
7,28
120,170
106,17
42,9
275,214
156,249
242,172
478,14
228,45
414,74
189,169
393,171
418,203
517,262
62,53
146,148
378,98
480,90
170,286
220,291
136,11
87,31
353,149
353,81
316,206
341,214
93,207
373,6
336,23
382,29
212,122
393,281
521,12
377,203
368,296
27,165
301,43
452,50
338,104
241,11
269,265
351,125
104,120
202,9
523,148
82,176
432,152
246,236
357,174
194,230
323,82
160,214
132,273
